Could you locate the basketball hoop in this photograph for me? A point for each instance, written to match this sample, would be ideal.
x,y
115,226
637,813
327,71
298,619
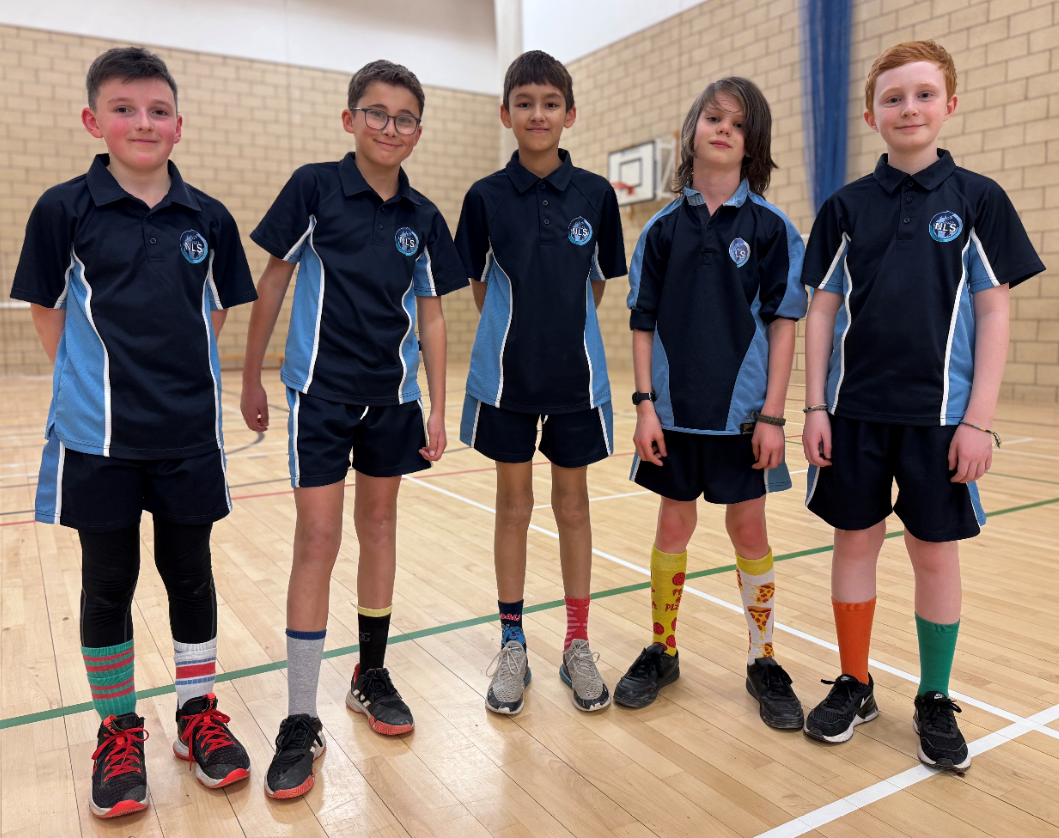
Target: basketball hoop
x,y
619,186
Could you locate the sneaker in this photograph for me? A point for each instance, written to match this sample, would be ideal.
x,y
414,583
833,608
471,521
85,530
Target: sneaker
x,y
651,671
374,695
511,675
780,708
850,703
941,745
299,744
203,739
579,673
119,775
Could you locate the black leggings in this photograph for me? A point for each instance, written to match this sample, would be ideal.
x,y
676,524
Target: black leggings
x,y
110,566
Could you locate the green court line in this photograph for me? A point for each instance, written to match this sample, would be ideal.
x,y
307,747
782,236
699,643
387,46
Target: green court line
x,y
69,710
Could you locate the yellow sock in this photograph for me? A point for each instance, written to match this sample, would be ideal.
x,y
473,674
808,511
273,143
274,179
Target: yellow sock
x,y
757,587
667,586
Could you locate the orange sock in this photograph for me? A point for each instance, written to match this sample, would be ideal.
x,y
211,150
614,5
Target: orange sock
x,y
853,622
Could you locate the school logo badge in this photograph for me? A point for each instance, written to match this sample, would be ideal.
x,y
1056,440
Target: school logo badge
x,y
580,231
407,241
739,250
945,226
193,246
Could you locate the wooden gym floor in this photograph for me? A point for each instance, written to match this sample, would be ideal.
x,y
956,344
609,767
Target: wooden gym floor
x,y
698,762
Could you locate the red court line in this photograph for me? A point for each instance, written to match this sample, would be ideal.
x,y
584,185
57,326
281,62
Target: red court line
x,y
16,523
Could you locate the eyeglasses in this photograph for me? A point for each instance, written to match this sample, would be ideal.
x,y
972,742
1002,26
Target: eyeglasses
x,y
374,118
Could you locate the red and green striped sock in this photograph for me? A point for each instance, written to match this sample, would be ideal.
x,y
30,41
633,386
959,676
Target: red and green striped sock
x,y
110,676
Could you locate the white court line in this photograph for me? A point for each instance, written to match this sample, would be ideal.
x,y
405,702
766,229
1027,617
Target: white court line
x,y
858,800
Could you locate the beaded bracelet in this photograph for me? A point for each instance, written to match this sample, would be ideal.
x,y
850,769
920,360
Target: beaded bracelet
x,y
813,407
994,434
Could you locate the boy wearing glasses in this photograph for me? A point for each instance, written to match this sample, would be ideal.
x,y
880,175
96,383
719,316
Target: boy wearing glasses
x,y
540,237
374,256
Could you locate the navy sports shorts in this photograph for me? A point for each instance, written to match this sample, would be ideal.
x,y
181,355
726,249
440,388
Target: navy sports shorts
x,y
99,494
569,440
855,491
323,435
716,466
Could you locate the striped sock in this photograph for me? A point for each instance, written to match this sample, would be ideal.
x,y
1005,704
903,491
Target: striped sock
x,y
111,679
576,620
196,669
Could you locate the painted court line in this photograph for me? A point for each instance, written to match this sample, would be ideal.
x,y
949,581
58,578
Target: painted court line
x,y
885,788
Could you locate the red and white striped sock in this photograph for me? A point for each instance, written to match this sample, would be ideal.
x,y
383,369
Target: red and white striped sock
x,y
576,620
196,669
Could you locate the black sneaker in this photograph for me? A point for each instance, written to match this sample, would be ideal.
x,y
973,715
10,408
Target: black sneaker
x,y
651,671
203,739
941,745
771,686
299,744
374,695
119,775
850,703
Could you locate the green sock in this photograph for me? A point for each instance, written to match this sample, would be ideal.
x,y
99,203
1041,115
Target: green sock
x,y
110,677
937,646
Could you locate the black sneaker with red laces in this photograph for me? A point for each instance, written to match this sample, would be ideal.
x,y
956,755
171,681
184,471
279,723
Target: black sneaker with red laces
x,y
119,775
203,739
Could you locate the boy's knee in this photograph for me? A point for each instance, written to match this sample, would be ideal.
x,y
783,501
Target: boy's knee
x,y
514,508
677,522
571,510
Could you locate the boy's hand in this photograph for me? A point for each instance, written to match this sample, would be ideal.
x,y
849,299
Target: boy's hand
x,y
648,438
436,439
816,438
970,454
768,445
254,405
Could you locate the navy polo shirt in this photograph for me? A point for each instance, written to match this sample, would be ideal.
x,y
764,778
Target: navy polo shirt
x,y
137,373
361,262
907,252
708,286
539,243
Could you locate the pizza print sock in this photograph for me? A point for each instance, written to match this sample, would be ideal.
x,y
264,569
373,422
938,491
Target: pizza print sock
x,y
757,587
937,646
667,586
853,622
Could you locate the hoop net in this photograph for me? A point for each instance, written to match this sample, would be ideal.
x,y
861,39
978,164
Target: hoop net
x,y
619,186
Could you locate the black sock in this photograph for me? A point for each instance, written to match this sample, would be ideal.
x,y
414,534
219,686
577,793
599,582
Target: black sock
x,y
511,622
374,630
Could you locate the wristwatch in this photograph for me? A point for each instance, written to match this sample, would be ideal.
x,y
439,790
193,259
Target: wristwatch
x,y
643,397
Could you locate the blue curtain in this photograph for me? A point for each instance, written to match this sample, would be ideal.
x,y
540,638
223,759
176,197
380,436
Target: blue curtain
x,y
826,26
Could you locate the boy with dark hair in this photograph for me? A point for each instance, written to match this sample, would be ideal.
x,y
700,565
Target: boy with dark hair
x,y
715,296
129,271
374,257
903,371
539,238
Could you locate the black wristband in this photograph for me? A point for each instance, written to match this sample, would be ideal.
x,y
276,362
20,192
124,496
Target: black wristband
x,y
644,397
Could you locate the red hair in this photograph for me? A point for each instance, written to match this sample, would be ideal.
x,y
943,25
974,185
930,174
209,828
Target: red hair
x,y
907,53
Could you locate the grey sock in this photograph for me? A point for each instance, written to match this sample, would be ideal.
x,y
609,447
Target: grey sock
x,y
305,650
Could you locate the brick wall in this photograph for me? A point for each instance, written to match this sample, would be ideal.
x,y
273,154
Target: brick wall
x,y
1006,125
247,126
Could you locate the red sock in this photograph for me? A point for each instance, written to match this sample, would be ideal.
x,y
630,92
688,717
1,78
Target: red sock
x,y
576,620
853,624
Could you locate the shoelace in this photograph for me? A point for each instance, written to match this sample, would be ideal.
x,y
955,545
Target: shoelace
x,y
583,663
378,686
777,680
937,720
292,739
506,661
209,728
647,661
841,695
124,756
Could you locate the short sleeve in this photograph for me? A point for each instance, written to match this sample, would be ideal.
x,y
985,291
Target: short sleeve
x,y
647,274
609,257
1000,251
826,252
47,254
472,236
438,269
780,271
287,224
230,278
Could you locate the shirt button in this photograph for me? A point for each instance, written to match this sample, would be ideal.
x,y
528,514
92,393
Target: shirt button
x,y
154,241
911,183
380,226
545,203
908,200
542,184
546,221
907,220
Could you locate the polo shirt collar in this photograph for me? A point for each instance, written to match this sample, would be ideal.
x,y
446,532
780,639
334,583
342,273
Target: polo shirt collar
x,y
524,179
353,182
104,189
930,178
695,198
